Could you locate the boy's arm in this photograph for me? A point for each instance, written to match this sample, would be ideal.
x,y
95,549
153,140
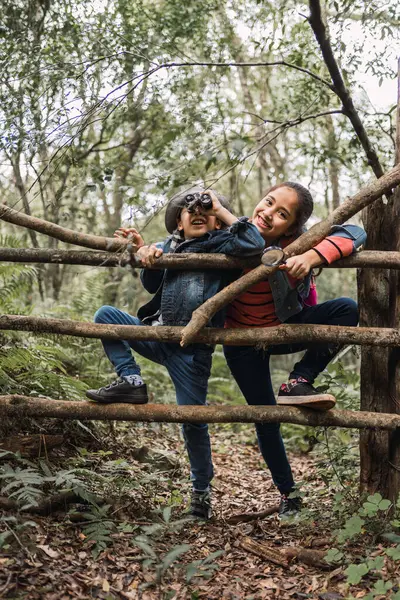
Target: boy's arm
x,y
344,240
242,238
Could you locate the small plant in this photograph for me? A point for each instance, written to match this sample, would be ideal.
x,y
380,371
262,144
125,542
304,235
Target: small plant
x,y
159,562
371,518
99,528
13,529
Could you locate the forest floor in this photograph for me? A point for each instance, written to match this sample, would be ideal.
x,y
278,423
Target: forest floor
x,y
145,469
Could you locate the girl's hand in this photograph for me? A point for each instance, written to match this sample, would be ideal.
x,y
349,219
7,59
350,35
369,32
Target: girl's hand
x,y
300,266
132,235
149,254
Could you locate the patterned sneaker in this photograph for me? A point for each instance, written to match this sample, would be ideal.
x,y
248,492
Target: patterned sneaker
x,y
120,391
301,393
289,507
200,505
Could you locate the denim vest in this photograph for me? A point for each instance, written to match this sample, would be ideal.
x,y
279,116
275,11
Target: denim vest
x,y
288,300
179,293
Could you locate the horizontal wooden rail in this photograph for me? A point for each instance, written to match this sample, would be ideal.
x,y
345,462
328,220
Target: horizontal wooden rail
x,y
282,334
43,407
365,259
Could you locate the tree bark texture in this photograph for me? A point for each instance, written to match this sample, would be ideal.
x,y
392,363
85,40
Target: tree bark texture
x,y
308,240
17,406
61,233
371,259
284,556
379,293
263,336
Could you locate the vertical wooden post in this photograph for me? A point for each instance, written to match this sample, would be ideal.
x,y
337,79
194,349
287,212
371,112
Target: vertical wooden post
x,y
379,295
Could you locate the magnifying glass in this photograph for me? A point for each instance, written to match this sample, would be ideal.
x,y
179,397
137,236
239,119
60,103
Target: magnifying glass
x,y
273,256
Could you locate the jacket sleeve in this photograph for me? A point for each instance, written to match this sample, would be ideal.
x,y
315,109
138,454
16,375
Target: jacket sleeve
x,y
343,241
152,278
240,239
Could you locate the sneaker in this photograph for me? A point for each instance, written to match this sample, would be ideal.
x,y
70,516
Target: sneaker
x,y
289,507
200,505
302,393
120,391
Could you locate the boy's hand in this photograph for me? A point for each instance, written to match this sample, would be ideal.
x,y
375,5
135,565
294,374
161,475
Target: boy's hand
x,y
149,254
131,234
219,211
216,204
300,266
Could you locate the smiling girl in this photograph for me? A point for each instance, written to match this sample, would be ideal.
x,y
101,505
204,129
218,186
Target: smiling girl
x,y
288,296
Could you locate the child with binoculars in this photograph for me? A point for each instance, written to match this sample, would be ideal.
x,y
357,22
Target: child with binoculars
x,y
198,221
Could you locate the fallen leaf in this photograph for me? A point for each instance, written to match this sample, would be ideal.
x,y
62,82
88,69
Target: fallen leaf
x,y
105,586
49,551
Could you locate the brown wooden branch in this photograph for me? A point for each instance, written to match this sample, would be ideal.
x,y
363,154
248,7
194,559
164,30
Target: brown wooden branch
x,y
266,336
125,259
274,555
339,87
366,259
68,236
284,556
254,516
47,505
35,444
315,234
16,406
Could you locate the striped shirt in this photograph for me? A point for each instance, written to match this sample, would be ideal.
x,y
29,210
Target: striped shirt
x,y
255,307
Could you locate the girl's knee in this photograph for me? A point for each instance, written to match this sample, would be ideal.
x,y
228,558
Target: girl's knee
x,y
104,314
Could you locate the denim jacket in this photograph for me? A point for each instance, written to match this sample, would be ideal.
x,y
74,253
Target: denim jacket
x,y
288,299
178,293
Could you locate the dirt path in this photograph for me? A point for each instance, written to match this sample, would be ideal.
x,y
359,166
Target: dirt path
x,y
54,562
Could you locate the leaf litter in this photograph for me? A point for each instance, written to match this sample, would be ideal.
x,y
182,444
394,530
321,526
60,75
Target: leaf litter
x,y
54,560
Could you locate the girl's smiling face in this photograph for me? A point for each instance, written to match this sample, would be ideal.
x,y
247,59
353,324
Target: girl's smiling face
x,y
276,214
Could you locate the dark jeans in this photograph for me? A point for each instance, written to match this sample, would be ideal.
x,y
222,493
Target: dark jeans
x,y
250,368
189,369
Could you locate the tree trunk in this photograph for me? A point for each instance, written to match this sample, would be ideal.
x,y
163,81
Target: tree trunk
x,y
379,293
333,165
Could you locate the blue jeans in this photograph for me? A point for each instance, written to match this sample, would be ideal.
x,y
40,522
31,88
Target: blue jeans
x,y
189,369
250,368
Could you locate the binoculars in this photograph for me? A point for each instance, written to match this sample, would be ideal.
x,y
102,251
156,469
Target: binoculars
x,y
193,201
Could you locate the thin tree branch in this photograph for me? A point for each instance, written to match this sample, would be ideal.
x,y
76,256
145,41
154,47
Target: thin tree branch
x,y
339,87
61,233
298,120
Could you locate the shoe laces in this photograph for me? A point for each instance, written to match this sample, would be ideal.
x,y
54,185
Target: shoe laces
x,y
285,503
287,387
